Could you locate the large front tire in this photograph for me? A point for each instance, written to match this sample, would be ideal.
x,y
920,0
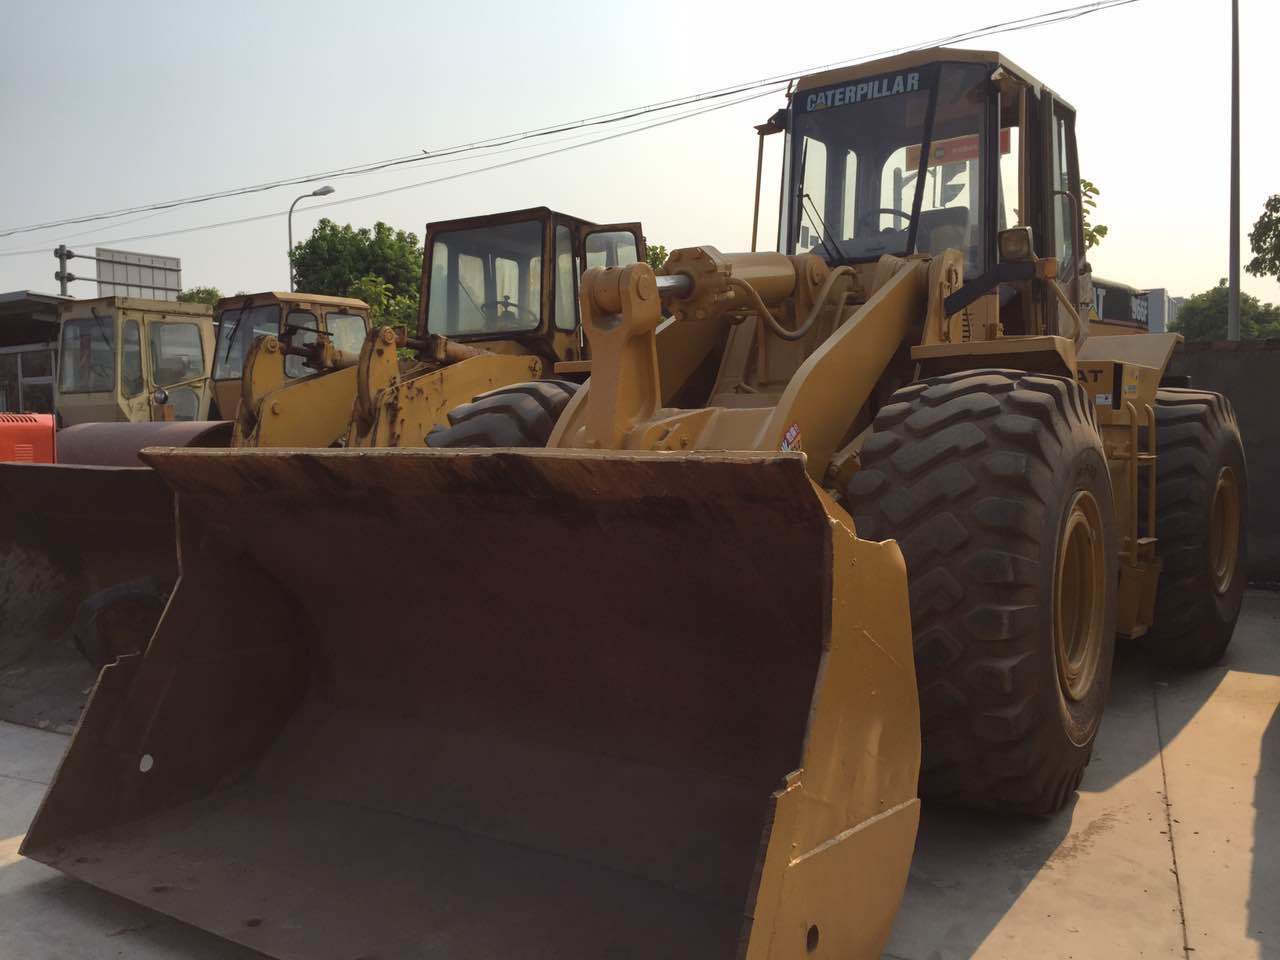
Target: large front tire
x,y
521,415
1201,507
995,485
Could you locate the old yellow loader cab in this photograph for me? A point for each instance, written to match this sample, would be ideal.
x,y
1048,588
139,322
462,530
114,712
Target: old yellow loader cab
x,y
303,318
125,359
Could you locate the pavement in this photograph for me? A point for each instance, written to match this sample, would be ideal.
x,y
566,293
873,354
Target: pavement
x,y
1161,854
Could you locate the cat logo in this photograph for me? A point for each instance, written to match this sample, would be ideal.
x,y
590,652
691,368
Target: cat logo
x,y
874,89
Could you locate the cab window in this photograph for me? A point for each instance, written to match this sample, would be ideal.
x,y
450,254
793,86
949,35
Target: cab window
x,y
566,281
237,329
347,331
486,280
864,187
130,359
177,353
86,362
302,329
611,248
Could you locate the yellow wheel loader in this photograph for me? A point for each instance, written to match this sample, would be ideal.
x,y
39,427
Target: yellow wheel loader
x,y
651,690
498,307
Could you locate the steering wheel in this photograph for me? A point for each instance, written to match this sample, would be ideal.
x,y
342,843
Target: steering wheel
x,y
507,311
866,218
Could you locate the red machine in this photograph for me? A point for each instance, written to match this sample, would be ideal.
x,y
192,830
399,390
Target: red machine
x,y
27,437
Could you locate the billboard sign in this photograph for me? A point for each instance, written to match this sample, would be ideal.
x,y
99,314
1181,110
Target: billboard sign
x,y
125,274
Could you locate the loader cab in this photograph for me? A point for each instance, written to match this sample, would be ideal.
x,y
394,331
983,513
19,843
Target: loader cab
x,y
302,317
934,150
136,360
509,282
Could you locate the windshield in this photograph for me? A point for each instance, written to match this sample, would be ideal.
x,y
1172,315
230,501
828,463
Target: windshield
x,y
487,280
86,362
860,189
347,331
177,352
237,329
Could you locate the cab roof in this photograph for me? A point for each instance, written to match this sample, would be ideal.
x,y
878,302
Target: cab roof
x,y
135,303
915,58
298,297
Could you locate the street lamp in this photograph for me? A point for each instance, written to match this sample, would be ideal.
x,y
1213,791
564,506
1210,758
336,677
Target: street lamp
x,y
320,192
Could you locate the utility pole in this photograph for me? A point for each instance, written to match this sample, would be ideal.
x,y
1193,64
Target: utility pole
x,y
62,276
1233,301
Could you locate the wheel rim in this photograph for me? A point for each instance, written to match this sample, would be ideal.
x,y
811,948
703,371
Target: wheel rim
x,y
1080,597
1224,529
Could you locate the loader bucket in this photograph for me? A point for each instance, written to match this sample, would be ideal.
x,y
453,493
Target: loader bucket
x,y
87,560
516,704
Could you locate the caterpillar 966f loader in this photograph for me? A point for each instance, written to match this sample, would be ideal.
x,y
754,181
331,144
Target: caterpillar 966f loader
x,y
650,691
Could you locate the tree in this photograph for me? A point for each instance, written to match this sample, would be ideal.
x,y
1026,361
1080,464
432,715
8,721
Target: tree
x,y
1089,198
1204,316
1264,240
386,307
334,259
209,295
656,254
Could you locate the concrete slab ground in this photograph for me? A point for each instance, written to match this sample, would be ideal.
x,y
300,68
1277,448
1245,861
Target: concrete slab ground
x,y
1120,874
1169,850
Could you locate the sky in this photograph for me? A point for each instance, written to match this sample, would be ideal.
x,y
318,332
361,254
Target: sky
x,y
113,105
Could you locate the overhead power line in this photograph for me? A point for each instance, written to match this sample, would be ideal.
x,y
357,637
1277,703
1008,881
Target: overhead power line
x,y
723,98
411,186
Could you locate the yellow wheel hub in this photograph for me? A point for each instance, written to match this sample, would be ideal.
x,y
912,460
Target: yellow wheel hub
x,y
1224,529
1080,591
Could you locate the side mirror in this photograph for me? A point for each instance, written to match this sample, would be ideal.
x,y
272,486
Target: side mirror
x,y
160,396
1015,245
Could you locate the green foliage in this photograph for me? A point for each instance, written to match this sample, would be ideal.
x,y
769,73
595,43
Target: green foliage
x,y
1264,240
209,295
386,307
333,259
1204,316
656,254
1089,198
381,266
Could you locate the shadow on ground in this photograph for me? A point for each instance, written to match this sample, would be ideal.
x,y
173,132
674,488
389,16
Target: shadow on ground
x,y
972,870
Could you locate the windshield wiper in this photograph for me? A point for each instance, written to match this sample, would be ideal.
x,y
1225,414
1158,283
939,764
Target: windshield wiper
x,y
835,255
231,337
102,331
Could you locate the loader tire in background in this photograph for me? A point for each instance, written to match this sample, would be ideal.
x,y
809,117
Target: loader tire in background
x,y
995,485
521,415
1201,508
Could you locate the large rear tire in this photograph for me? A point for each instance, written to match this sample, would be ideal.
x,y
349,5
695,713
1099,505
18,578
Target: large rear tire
x,y
521,415
1201,508
995,485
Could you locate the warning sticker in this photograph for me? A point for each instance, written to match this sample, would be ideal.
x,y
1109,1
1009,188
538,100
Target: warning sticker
x,y
791,439
1102,399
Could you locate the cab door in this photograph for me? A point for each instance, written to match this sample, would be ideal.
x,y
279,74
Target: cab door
x,y
1066,218
135,398
594,245
610,244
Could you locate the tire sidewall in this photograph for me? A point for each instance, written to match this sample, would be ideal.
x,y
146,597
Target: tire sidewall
x,y
1227,452
1084,469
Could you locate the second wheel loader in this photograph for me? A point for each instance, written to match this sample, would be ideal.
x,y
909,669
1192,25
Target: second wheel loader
x,y
663,699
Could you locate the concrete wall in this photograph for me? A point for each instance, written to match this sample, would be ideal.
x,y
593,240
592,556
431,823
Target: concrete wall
x,y
1249,374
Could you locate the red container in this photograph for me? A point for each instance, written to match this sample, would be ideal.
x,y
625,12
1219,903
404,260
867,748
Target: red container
x,y
27,437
